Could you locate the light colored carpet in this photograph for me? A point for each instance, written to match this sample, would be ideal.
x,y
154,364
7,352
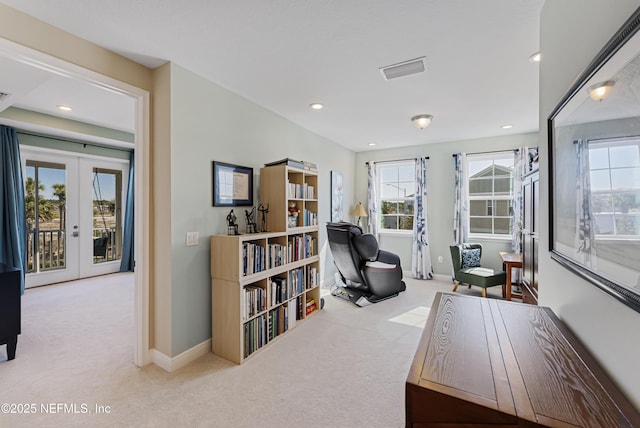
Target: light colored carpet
x,y
343,367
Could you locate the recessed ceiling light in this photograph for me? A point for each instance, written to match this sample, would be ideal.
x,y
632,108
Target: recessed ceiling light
x,y
316,106
372,144
506,126
535,57
63,107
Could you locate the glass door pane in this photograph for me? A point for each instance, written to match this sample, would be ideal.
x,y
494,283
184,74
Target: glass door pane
x,y
45,203
107,214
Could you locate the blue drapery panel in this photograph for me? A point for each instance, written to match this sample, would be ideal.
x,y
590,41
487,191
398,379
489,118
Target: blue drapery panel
x,y
461,203
13,232
127,263
584,240
520,168
421,267
372,199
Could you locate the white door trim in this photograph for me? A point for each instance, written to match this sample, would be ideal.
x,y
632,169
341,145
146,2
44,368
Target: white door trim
x,y
142,180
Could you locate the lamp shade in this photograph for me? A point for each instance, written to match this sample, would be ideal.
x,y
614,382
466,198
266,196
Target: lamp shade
x,y
359,211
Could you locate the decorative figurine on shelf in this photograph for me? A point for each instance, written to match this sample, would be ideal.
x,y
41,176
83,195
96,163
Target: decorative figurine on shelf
x,y
252,227
264,211
294,211
232,226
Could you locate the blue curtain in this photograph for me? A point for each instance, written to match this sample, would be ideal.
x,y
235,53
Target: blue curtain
x,y
372,199
421,267
127,262
585,234
461,204
13,234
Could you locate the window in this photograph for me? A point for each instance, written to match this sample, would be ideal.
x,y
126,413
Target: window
x,y
614,168
397,186
491,193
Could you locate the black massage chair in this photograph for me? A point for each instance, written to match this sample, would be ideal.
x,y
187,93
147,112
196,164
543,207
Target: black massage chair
x,y
368,274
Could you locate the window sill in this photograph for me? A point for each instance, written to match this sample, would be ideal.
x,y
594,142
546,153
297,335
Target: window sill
x,y
406,233
498,238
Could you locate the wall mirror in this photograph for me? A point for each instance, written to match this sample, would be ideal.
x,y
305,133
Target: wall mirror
x,y
594,176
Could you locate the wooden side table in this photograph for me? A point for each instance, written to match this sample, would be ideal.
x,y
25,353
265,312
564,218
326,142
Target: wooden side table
x,y
511,260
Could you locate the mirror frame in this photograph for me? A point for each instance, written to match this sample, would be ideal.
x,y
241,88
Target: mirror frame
x,y
625,293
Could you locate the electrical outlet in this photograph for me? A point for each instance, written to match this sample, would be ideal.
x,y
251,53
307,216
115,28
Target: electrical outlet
x,y
192,239
439,259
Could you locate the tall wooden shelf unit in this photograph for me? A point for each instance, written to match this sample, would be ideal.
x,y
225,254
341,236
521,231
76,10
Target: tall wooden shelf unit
x,y
264,284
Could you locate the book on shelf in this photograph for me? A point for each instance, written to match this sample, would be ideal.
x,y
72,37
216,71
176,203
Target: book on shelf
x,y
310,306
286,161
310,166
292,312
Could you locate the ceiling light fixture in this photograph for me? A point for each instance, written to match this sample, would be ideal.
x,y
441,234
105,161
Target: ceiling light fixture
x,y
372,144
535,57
316,106
600,91
63,107
506,126
421,121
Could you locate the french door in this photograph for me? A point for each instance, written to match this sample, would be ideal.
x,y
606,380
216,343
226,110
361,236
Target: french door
x,y
74,209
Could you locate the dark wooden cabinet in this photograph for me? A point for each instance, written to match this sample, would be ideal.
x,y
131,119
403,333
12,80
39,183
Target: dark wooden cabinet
x,y
9,308
530,200
488,362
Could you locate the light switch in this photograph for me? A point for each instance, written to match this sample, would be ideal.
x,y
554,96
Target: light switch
x,y
192,239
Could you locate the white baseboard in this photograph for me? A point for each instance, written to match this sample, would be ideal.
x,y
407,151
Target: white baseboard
x,y
171,364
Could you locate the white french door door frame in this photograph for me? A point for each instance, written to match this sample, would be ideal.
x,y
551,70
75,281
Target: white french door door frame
x,y
71,249
85,173
35,58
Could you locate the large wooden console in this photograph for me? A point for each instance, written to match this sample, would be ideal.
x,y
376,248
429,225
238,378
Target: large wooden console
x,y
486,362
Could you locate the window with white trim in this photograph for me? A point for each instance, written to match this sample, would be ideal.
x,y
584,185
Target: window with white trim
x,y
491,194
396,190
614,171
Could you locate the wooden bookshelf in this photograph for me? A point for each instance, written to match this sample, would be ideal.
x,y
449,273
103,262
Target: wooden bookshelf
x,y
280,185
263,283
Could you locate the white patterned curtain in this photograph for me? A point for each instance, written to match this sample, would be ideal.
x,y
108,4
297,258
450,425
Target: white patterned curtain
x,y
584,241
520,168
421,267
372,199
461,203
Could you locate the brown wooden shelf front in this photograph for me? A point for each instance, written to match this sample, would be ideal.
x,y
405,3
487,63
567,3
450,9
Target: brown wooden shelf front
x,y
486,362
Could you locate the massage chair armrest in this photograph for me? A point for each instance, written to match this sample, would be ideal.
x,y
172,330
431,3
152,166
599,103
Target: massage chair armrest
x,y
388,257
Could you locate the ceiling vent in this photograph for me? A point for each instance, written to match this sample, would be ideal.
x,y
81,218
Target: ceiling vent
x,y
406,68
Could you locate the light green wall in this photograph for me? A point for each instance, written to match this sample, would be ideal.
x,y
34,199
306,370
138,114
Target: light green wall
x,y
440,195
571,34
210,123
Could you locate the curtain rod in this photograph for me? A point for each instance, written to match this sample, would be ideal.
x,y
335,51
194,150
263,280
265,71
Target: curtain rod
x,y
72,141
395,160
488,152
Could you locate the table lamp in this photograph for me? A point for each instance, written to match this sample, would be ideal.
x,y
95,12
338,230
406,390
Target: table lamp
x,y
359,212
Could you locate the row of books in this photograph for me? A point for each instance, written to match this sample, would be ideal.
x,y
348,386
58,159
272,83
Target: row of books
x,y
254,301
278,321
300,247
276,255
279,291
255,335
300,191
309,218
296,281
310,306
313,277
252,258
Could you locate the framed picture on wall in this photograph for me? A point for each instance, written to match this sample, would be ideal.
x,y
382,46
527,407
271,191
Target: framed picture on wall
x,y
232,185
337,197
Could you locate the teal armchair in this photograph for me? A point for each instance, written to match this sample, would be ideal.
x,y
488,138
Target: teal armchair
x,y
467,269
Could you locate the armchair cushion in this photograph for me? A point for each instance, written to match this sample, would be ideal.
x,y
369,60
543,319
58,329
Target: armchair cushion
x,y
470,258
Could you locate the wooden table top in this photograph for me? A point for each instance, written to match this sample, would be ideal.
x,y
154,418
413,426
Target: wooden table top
x,y
511,258
486,361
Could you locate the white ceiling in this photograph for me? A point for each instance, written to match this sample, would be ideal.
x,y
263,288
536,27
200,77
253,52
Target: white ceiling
x,y
286,54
